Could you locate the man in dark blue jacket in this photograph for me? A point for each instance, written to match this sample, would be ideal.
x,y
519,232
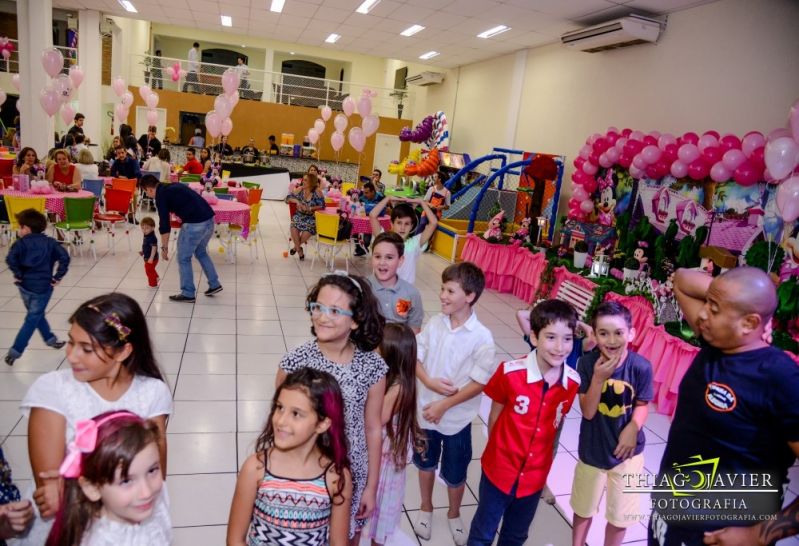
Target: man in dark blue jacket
x,y
195,232
125,166
32,259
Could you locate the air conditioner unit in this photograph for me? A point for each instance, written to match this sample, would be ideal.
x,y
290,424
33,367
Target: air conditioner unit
x,y
426,78
107,26
624,32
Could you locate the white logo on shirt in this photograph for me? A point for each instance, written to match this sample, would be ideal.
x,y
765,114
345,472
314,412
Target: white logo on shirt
x,y
559,411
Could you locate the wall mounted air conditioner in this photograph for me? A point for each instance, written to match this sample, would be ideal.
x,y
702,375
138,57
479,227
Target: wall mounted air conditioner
x,y
426,78
624,32
107,26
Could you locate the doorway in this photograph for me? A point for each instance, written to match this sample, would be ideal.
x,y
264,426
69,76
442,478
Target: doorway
x,y
387,149
189,122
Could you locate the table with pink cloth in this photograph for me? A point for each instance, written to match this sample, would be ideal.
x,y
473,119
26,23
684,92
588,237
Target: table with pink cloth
x,y
239,192
507,268
361,224
226,212
53,202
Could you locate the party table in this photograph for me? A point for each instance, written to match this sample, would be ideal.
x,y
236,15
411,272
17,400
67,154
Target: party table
x,y
238,192
53,202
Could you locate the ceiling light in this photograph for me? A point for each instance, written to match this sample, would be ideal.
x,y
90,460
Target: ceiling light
x,y
429,55
493,31
367,5
277,5
227,21
332,39
292,53
410,31
128,6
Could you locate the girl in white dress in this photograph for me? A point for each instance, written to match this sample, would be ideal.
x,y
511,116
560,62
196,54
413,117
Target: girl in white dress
x,y
112,368
113,487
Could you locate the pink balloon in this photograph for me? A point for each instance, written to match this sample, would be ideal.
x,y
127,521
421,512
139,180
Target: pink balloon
x,y
782,132
365,106
175,76
118,86
637,135
233,99
326,113
620,142
580,194
714,134
751,142
605,161
612,129
120,113
227,127
50,101
666,139
370,124
612,138
319,126
639,162
76,75
746,174
348,105
793,120
15,80
222,106
53,62
662,167
230,80
688,153
593,138
706,141
144,92
698,169
5,53
313,136
590,185
340,123
782,155
67,114
625,160
337,140
587,206
152,117
719,172
713,154
589,168
63,86
649,140
356,138
733,158
213,123
758,158
612,154
691,138
600,145
788,199
651,153
152,100
730,142
585,151
636,173
126,99
670,153
626,132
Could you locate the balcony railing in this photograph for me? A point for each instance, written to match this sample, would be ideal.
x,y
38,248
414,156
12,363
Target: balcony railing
x,y
274,87
12,63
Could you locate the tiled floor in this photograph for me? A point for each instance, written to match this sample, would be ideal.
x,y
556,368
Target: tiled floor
x,y
221,355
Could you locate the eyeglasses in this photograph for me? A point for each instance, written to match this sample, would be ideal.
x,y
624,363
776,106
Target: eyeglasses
x,y
317,309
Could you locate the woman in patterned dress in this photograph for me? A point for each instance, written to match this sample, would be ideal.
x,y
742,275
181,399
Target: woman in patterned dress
x,y
309,199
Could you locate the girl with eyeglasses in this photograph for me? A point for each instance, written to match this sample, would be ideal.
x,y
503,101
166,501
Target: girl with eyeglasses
x,y
347,326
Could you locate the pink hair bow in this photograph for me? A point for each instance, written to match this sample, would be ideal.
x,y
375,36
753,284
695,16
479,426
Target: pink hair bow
x,y
85,442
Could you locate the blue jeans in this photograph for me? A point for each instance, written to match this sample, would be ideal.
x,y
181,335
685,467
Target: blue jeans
x,y
36,304
494,505
193,241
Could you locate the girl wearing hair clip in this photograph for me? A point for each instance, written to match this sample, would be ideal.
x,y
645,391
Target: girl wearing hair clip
x,y
111,368
113,486
347,326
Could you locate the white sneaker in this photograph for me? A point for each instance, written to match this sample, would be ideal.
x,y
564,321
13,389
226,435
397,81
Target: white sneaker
x,y
459,534
423,525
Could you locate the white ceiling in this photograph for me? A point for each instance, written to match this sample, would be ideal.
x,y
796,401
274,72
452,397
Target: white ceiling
x,y
451,25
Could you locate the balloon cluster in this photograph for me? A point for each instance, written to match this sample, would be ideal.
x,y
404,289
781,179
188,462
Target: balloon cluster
x,y
432,131
357,135
420,134
59,90
218,121
782,159
175,72
122,108
150,98
414,165
6,49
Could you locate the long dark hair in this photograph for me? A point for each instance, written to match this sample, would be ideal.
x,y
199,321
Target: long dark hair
x,y
323,391
114,319
363,304
398,349
119,440
22,153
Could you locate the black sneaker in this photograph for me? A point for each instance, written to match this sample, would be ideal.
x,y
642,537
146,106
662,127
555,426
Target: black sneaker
x,y
359,251
57,344
10,360
182,298
212,291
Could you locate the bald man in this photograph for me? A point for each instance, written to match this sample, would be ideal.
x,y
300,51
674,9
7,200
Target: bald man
x,y
736,426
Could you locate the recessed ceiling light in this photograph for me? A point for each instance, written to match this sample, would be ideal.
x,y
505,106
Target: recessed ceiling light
x,y
429,55
292,53
410,31
277,5
493,31
332,39
227,21
128,6
367,5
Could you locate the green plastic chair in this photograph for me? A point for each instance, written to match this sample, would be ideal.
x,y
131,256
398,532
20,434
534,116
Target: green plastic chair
x,y
221,191
251,185
191,178
79,216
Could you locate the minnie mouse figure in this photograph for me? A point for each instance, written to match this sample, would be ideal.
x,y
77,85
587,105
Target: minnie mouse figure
x,y
640,255
523,232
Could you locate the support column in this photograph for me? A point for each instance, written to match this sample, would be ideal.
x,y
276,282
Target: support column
x,y
35,27
269,59
515,99
90,95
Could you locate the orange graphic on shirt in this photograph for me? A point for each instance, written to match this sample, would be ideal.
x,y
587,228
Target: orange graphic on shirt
x,y
402,307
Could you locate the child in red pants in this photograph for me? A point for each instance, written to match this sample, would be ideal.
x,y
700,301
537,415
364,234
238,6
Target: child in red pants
x,y
149,250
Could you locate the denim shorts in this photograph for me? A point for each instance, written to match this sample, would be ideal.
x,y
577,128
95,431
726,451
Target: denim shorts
x,y
457,452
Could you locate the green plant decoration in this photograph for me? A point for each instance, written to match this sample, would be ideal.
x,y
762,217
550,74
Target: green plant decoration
x,y
758,256
788,300
783,340
604,285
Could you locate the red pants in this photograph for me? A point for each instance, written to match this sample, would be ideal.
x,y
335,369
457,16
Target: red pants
x,y
152,275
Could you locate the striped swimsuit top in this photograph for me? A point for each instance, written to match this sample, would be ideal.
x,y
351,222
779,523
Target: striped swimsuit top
x,y
289,511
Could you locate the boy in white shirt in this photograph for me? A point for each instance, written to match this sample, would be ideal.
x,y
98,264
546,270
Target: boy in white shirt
x,y
456,360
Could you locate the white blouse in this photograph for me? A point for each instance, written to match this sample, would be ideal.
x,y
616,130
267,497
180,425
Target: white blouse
x,y
155,531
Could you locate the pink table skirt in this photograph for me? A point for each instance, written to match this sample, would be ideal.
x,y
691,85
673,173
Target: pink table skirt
x,y
226,212
53,202
361,224
507,268
240,193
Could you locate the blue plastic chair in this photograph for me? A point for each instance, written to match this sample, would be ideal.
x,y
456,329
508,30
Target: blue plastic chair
x,y
94,186
226,196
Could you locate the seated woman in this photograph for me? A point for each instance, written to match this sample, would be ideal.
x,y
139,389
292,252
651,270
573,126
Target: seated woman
x,y
309,199
63,175
205,159
439,198
86,165
26,161
111,154
159,163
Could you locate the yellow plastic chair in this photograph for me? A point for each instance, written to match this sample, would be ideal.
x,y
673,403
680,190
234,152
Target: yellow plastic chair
x,y
346,187
225,174
15,205
253,236
327,243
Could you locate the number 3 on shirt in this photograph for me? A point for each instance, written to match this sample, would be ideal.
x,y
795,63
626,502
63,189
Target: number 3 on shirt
x,y
522,404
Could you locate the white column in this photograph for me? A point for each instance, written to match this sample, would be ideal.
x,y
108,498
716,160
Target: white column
x,y
35,27
90,52
515,99
269,59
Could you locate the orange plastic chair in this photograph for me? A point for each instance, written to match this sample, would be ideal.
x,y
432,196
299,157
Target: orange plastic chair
x,y
254,196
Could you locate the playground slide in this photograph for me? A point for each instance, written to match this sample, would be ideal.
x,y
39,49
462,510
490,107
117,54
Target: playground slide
x,y
462,206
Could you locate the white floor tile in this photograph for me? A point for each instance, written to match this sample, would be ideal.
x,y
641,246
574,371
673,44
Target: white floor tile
x,y
201,499
205,453
203,416
206,387
199,536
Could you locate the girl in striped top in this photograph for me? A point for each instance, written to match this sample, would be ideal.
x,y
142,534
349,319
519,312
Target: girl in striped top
x,y
296,488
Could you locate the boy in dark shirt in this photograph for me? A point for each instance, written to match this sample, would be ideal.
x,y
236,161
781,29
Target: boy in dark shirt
x,y
31,260
149,250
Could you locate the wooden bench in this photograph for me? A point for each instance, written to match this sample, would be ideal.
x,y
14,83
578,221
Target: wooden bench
x,y
578,296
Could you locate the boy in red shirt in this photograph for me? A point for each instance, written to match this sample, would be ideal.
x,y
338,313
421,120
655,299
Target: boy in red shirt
x,y
530,397
192,166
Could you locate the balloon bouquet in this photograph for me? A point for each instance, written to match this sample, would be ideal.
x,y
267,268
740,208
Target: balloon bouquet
x,y
218,121
58,92
357,135
431,131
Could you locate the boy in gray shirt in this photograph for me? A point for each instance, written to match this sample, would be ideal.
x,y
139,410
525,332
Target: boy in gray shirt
x,y
400,301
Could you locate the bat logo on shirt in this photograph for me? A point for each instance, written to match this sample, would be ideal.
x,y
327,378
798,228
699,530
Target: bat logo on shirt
x,y
720,397
616,398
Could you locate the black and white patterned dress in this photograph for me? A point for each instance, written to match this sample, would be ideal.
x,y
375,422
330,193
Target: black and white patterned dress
x,y
355,379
